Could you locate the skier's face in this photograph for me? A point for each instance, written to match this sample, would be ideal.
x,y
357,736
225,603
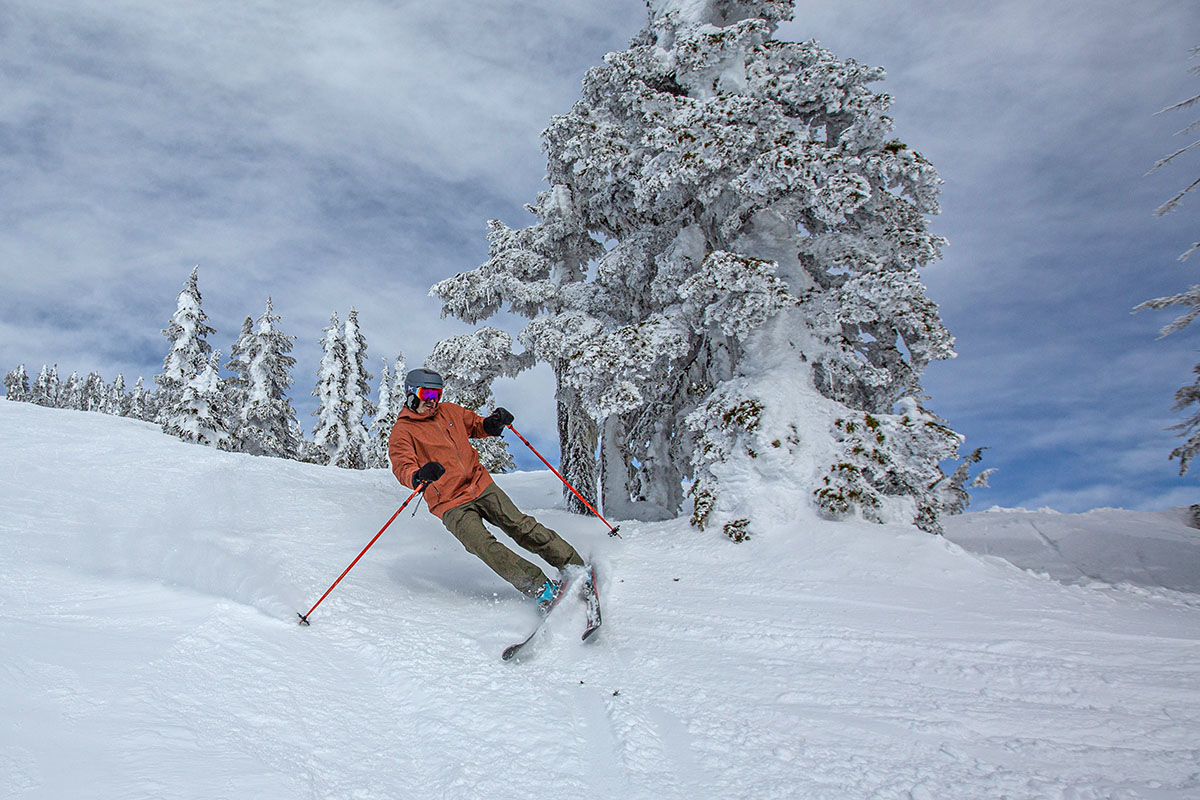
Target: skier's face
x,y
427,400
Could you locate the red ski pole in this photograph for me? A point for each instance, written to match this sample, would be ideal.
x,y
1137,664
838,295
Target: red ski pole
x,y
611,530
304,617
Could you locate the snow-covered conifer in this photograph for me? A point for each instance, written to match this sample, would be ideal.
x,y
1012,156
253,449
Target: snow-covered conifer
x,y
264,421
200,413
329,435
142,402
116,398
72,393
46,388
469,364
727,254
356,398
188,335
94,393
1190,299
239,379
16,385
391,400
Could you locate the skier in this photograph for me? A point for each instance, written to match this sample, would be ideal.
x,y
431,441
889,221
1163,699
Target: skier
x,y
429,444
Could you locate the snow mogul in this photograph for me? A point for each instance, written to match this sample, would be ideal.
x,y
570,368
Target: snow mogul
x,y
429,444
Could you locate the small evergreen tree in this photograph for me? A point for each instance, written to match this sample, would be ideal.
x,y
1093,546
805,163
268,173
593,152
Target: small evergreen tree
x,y
16,385
187,333
72,393
95,393
141,402
391,400
356,400
239,379
199,414
116,398
329,435
46,388
264,420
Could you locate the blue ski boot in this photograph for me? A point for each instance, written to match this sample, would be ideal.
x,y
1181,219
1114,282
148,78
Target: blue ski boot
x,y
547,595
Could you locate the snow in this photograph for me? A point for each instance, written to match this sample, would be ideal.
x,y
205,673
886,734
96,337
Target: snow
x,y
147,622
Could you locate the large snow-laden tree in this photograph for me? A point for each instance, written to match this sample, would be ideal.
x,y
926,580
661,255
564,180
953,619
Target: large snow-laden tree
x,y
188,333
1189,299
469,364
46,387
724,271
264,422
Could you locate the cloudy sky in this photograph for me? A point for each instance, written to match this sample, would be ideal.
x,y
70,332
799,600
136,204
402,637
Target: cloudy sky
x,y
338,155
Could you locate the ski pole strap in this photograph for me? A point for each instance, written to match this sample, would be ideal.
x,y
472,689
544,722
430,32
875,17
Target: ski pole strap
x,y
304,617
611,530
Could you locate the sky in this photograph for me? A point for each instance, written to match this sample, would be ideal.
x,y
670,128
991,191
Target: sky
x,y
339,155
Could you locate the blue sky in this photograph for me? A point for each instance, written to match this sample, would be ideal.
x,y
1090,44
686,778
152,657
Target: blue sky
x,y
349,154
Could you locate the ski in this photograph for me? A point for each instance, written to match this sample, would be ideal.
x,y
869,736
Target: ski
x,y
587,590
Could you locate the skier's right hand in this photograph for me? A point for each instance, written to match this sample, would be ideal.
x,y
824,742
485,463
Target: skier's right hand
x,y
428,473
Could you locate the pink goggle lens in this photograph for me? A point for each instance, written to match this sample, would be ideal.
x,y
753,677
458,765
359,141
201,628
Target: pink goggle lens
x,y
429,395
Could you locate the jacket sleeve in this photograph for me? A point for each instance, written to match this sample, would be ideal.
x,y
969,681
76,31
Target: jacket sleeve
x,y
474,425
402,454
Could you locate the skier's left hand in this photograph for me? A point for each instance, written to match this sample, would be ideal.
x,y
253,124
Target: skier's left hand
x,y
496,422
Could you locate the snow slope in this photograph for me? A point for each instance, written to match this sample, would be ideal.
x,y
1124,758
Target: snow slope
x,y
147,625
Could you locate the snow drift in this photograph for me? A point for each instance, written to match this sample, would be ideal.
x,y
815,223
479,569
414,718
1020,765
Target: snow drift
x,y
147,621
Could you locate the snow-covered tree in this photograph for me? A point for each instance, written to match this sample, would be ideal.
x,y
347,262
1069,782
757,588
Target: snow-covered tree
x,y
188,335
330,435
1189,299
16,385
72,393
237,383
469,364
116,398
725,266
356,398
199,413
142,403
264,421
46,388
391,400
95,393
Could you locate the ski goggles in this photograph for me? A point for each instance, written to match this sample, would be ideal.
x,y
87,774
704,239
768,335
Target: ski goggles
x,y
426,395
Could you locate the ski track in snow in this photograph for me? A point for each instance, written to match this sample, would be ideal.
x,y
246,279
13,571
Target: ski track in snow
x,y
147,618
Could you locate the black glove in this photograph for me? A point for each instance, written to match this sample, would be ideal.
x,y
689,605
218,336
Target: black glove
x,y
428,473
495,423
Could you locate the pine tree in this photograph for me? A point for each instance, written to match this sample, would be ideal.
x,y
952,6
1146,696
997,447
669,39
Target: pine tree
x,y
46,388
330,436
199,414
1189,299
187,333
238,382
356,399
391,400
72,393
728,214
117,399
264,419
141,402
95,393
16,385
468,366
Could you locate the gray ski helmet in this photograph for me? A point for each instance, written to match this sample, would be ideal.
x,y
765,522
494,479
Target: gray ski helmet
x,y
419,379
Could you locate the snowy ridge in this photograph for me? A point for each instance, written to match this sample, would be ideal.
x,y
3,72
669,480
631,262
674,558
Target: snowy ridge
x,y
147,619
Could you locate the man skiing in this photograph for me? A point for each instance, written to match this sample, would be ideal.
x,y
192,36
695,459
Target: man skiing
x,y
429,444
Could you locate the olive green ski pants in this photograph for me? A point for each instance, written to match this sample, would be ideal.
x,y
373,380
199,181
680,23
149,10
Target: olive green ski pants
x,y
466,523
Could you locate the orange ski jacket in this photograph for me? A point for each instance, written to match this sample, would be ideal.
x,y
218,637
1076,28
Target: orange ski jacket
x,y
443,436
